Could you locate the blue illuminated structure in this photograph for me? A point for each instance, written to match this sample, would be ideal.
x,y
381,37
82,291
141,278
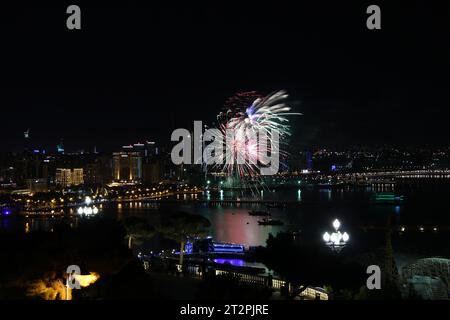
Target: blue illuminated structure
x,y
5,211
228,248
233,262
208,246
188,247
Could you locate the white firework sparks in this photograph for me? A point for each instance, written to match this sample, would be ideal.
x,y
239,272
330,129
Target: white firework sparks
x,y
266,116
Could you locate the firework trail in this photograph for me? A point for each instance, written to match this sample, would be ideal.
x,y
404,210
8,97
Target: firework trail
x,y
266,116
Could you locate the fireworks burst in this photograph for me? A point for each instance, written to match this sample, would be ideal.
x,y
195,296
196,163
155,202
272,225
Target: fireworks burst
x,y
265,116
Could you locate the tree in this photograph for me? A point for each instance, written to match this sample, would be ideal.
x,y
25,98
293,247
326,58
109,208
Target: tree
x,y
137,229
181,226
305,265
49,287
37,261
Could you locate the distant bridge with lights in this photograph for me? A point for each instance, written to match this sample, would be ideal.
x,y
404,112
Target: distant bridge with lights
x,y
426,173
336,179
403,174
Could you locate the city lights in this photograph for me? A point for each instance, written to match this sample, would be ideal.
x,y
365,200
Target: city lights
x,y
239,157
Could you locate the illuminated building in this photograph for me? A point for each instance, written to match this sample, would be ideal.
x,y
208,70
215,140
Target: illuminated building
x,y
147,149
69,177
127,166
208,245
130,163
63,177
77,176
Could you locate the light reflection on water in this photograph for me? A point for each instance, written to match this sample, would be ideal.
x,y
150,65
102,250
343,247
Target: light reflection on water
x,y
235,225
233,262
309,211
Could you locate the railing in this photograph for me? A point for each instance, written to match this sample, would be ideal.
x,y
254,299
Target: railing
x,y
199,271
196,271
309,293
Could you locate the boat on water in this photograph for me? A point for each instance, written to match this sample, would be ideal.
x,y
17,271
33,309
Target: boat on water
x,y
259,213
270,222
387,197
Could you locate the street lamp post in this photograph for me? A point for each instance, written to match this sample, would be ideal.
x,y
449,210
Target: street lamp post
x,y
87,209
336,240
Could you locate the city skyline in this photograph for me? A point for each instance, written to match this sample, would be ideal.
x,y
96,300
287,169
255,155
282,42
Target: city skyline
x,y
240,153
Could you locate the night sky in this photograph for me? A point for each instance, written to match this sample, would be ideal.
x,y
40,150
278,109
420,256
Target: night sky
x,y
134,73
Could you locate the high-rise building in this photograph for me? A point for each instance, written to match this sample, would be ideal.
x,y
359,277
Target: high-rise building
x,y
30,165
127,166
153,170
69,177
147,149
63,177
98,171
92,173
77,176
